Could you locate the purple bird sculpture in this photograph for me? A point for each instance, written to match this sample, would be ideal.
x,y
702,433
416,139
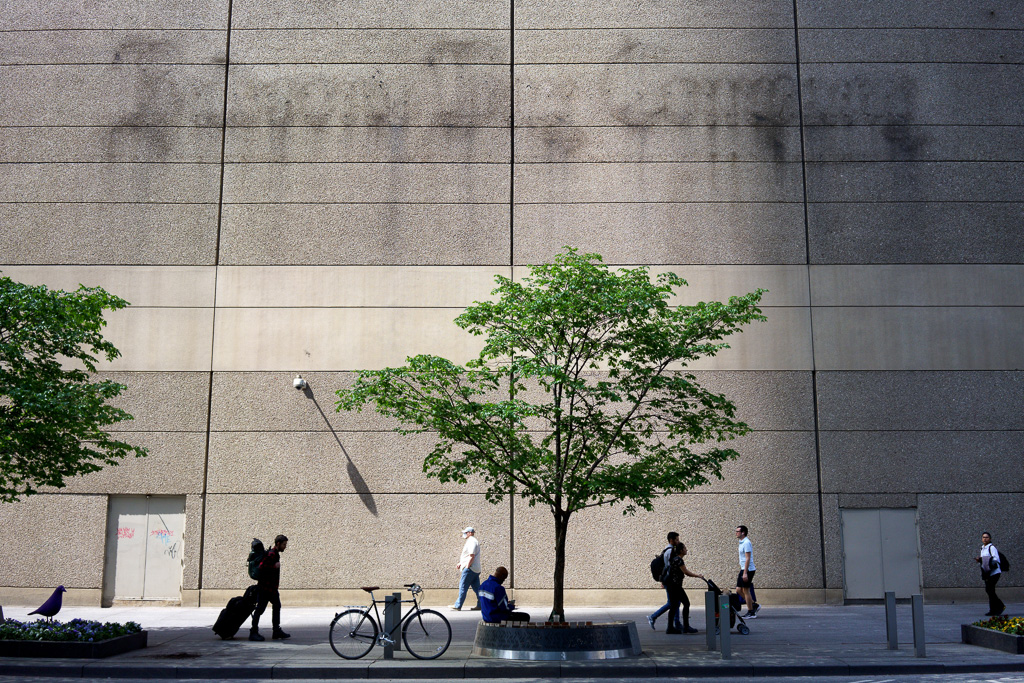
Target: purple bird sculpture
x,y
52,605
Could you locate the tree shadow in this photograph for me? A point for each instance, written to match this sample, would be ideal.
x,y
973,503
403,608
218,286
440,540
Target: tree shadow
x,y
358,483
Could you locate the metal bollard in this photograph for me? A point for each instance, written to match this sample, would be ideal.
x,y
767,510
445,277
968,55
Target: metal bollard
x,y
392,613
723,620
917,609
709,620
890,620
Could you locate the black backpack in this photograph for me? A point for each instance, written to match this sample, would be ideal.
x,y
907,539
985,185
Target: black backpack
x,y
1004,561
256,555
658,565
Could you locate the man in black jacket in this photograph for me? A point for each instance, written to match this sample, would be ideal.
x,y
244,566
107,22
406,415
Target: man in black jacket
x,y
270,579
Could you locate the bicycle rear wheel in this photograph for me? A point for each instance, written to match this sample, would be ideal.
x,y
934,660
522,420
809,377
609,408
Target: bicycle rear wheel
x,y
427,634
353,633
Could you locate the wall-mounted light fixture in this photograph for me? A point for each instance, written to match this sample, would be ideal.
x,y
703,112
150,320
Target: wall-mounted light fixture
x,y
299,383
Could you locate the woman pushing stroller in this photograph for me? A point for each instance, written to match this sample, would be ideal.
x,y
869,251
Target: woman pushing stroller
x,y
675,570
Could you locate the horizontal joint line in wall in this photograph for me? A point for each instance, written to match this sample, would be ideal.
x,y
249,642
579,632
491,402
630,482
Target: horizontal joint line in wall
x,y
314,203
365,63
93,201
681,202
908,61
915,201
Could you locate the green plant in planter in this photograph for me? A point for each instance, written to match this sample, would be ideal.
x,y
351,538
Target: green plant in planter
x,y
1012,625
76,630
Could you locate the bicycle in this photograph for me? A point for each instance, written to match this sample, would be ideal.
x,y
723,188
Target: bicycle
x,y
426,633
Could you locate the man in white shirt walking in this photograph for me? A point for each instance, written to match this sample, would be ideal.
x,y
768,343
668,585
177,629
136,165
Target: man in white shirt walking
x,y
745,580
469,563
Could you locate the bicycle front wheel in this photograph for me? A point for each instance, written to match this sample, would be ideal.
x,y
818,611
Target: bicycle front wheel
x,y
353,633
427,634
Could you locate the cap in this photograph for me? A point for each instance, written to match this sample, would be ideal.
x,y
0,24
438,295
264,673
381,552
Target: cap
x,y
468,530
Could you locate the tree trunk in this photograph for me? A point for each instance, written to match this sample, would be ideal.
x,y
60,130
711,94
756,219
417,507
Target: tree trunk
x,y
561,530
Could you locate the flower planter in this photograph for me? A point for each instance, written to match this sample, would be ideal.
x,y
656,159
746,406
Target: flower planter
x,y
72,649
557,642
997,640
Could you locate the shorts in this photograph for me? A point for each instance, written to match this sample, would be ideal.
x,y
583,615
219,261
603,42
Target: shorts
x,y
740,583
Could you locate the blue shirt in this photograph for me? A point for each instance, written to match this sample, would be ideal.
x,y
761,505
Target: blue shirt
x,y
493,601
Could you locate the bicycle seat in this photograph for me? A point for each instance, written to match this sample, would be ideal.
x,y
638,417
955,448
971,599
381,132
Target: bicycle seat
x,y
370,589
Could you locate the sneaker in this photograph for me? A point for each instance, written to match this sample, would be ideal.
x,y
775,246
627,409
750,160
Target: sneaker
x,y
254,635
689,629
475,608
455,608
650,620
280,635
757,608
749,615
673,631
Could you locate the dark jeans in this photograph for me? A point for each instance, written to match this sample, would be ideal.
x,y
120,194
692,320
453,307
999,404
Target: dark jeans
x,y
272,596
995,605
677,596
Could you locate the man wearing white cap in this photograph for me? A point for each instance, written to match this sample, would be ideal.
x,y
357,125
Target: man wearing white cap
x,y
469,563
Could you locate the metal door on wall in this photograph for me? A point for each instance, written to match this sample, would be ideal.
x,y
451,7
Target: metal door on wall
x,y
144,548
880,553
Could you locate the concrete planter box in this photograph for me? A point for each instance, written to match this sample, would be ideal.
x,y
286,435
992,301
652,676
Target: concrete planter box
x,y
557,642
997,640
73,650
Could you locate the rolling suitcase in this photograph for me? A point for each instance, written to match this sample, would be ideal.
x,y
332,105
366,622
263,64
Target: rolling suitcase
x,y
239,609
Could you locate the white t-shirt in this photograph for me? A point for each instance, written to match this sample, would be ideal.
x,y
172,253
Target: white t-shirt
x,y
747,547
992,552
472,547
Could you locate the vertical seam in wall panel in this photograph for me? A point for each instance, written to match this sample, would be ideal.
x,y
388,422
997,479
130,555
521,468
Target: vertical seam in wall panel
x,y
511,250
810,307
213,322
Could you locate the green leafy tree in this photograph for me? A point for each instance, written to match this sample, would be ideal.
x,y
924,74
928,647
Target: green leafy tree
x,y
52,411
578,398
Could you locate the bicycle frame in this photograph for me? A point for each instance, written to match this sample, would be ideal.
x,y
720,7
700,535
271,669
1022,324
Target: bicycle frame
x,y
385,637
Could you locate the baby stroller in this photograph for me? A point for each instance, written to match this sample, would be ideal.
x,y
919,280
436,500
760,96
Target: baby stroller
x,y
735,604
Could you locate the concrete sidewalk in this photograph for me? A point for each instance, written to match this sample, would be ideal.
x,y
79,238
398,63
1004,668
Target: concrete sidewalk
x,y
784,641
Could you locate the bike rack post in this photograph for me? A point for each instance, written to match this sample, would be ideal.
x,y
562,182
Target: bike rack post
x,y
890,620
709,620
723,621
392,615
917,607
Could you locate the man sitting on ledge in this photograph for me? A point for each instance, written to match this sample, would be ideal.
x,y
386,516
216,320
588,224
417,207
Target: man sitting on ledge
x,y
494,604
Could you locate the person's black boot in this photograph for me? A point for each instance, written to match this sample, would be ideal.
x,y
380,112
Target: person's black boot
x,y
254,634
280,635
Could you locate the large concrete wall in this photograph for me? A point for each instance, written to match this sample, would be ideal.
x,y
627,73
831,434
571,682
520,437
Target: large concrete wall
x,y
285,187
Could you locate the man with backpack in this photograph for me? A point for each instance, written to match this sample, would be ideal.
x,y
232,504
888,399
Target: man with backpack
x,y
658,567
269,579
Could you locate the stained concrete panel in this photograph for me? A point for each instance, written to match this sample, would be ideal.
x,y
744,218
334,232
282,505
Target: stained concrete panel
x,y
919,462
193,541
917,285
43,531
950,527
783,342
911,45
468,144
355,286
663,233
370,46
769,462
373,465
150,286
112,14
368,95
647,45
113,47
921,401
365,234
914,143
340,183
174,466
336,541
657,144
336,339
161,183
111,144
655,94
909,14
653,14
933,338
915,232
160,339
667,182
787,549
102,233
134,95
929,94
459,14
162,401
925,181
